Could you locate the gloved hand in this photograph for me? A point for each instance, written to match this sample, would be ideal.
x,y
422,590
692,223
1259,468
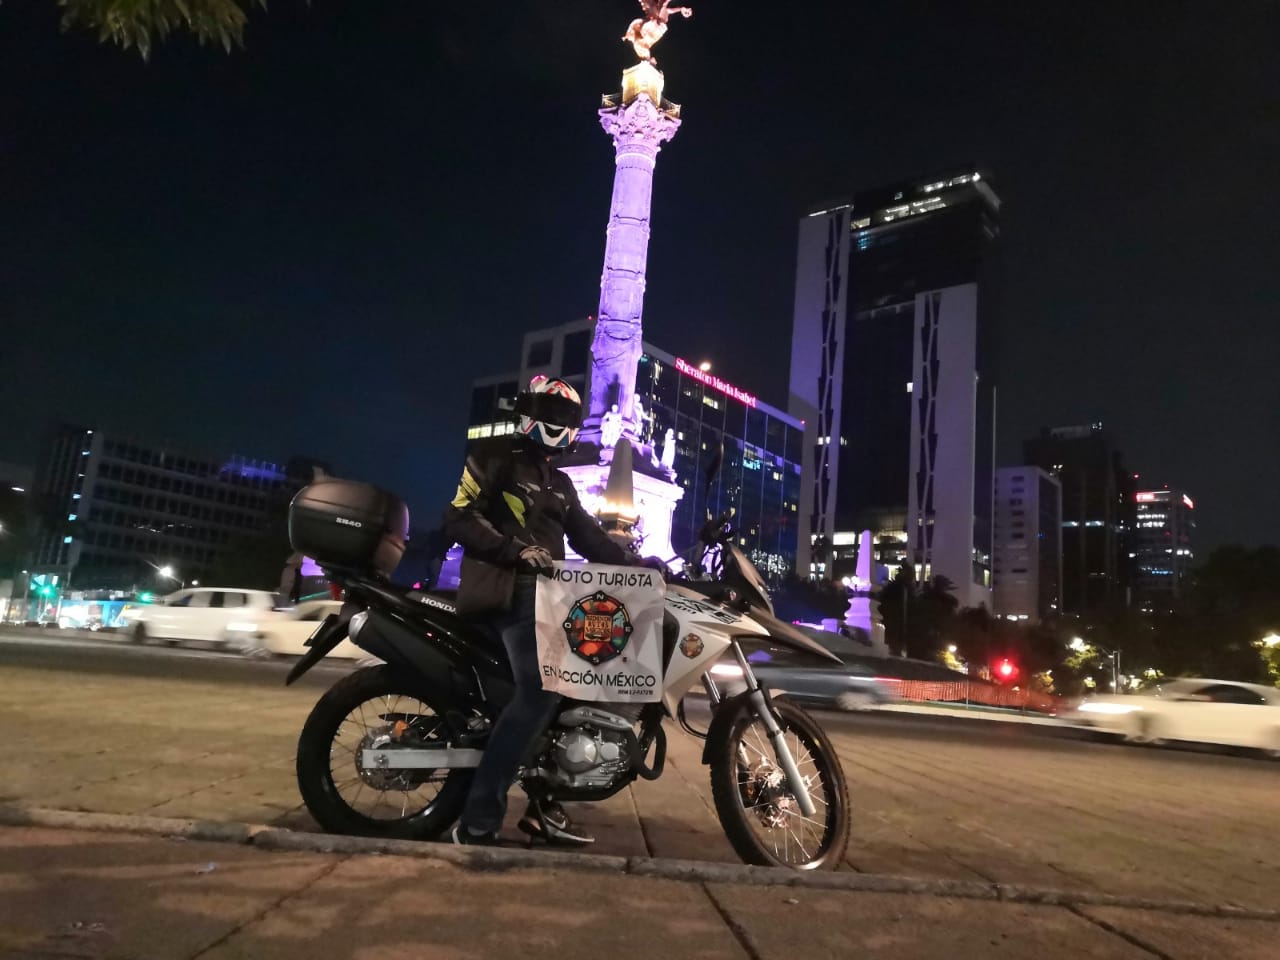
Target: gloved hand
x,y
657,563
536,560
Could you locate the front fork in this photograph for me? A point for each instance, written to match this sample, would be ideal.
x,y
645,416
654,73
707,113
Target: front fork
x,y
764,710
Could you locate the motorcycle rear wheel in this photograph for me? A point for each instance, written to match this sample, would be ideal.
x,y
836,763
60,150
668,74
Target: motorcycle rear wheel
x,y
759,814
344,797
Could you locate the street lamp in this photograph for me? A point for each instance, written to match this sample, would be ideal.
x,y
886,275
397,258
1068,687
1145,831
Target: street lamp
x,y
167,571
1080,645
1271,640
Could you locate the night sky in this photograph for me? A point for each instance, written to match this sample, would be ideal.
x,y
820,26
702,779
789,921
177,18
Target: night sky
x,y
313,245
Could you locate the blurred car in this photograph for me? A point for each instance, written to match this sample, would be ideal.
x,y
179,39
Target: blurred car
x,y
200,613
807,680
1222,712
285,632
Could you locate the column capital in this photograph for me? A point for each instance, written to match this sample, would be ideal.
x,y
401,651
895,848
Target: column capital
x,y
639,123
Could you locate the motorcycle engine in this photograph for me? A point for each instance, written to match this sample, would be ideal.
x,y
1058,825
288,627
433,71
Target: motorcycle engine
x,y
593,750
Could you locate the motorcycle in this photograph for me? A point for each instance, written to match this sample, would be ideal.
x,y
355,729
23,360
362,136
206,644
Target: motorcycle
x,y
389,750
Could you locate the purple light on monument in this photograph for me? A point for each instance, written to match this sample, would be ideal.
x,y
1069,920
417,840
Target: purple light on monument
x,y
639,121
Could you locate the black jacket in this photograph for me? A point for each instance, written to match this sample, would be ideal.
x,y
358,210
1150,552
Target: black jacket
x,y
511,497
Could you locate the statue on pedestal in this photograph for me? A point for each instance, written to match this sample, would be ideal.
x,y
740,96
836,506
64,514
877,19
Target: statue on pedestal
x,y
645,31
669,451
610,428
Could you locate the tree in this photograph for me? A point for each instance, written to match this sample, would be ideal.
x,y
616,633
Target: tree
x,y
810,601
137,23
916,616
17,531
254,562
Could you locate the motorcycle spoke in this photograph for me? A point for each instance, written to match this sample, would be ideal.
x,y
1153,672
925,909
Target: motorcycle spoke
x,y
355,733
769,802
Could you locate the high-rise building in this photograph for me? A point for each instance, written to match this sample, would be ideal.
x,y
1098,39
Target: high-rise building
x,y
112,510
1027,573
684,414
1163,533
891,367
1097,502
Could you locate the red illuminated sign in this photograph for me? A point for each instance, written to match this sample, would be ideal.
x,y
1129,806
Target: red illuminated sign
x,y
1187,500
715,383
1146,497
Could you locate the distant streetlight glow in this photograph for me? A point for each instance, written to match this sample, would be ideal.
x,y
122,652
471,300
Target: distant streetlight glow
x,y
705,366
1077,644
1271,640
166,572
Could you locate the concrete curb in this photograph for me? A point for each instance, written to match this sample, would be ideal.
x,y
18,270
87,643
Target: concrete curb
x,y
684,871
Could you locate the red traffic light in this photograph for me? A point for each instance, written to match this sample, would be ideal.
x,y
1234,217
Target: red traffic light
x,y
1006,669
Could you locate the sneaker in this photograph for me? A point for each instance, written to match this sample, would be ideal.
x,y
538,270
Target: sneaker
x,y
464,837
553,826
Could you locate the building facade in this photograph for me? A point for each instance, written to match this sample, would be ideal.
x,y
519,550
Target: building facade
x,y
684,415
892,367
1162,545
1027,565
114,510
1097,513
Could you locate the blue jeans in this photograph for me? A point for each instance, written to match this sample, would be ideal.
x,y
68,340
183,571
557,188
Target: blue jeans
x,y
520,723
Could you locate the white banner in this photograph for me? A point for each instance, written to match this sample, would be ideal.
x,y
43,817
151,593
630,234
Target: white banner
x,y
600,632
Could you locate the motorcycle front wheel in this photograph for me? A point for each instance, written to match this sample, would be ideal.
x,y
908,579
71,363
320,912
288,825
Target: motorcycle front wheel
x,y
376,708
757,809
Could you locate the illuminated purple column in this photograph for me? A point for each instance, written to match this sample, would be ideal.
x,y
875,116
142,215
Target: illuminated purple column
x,y
639,121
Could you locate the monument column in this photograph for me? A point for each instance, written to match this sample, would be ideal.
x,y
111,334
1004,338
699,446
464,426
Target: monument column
x,y
639,121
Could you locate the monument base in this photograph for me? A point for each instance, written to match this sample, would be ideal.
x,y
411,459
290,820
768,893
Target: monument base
x,y
654,502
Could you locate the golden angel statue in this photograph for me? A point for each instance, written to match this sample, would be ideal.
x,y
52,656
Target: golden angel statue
x,y
645,31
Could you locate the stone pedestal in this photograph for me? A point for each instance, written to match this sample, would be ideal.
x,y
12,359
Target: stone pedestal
x,y
864,603
654,502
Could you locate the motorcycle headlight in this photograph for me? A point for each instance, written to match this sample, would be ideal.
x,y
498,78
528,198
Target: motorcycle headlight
x,y
726,670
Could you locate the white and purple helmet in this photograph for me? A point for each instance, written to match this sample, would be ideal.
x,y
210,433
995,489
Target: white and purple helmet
x,y
550,413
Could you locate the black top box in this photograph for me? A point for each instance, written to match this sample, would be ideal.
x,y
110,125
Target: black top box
x,y
348,524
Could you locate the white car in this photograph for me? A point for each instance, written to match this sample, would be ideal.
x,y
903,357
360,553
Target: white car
x,y
1195,710
200,613
287,631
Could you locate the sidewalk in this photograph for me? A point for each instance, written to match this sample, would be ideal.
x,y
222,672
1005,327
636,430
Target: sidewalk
x,y
81,894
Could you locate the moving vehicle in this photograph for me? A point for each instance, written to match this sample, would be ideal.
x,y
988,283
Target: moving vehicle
x,y
1223,712
285,632
389,750
199,613
840,686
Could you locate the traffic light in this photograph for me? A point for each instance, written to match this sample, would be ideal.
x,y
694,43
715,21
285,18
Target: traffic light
x,y
1006,670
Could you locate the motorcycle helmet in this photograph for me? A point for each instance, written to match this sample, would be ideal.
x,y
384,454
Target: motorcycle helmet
x,y
550,413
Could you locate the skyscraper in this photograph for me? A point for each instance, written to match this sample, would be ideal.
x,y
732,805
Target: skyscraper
x,y
1097,507
1163,531
1027,575
891,366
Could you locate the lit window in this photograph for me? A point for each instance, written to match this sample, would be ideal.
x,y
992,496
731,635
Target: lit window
x,y
71,516
66,539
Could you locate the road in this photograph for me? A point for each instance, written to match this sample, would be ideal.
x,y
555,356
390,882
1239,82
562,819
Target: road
x,y
118,729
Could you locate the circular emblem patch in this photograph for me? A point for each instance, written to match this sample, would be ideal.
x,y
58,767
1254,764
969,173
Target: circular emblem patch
x,y
691,646
597,628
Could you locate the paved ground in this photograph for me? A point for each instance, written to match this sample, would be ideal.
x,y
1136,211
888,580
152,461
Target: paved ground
x,y
72,894
120,731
